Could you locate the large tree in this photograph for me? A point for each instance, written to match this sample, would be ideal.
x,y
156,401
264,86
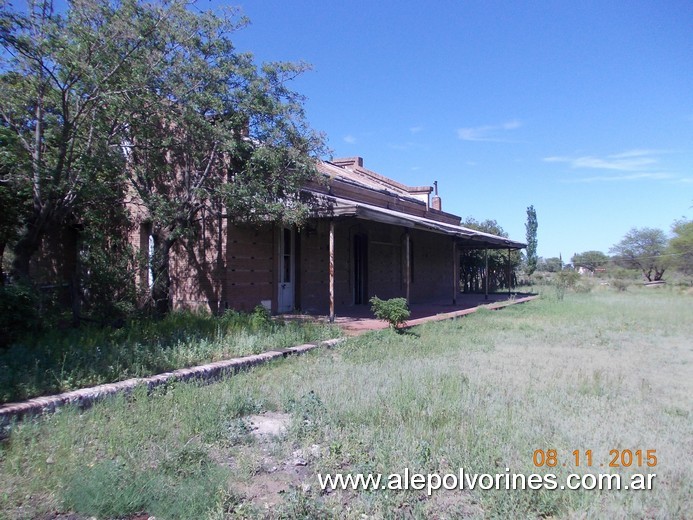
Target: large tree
x,y
642,249
681,246
532,243
59,83
152,99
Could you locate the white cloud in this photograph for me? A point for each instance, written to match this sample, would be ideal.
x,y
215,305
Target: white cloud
x,y
416,129
491,133
654,176
634,165
349,139
629,161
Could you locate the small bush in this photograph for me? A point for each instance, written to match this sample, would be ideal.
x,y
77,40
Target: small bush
x,y
567,278
620,285
18,312
583,287
261,317
395,310
563,280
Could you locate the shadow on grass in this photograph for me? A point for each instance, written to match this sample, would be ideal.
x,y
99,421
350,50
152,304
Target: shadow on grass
x,y
54,361
407,331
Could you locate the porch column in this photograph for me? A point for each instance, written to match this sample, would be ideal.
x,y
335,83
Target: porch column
x,y
407,265
509,282
455,273
486,272
331,271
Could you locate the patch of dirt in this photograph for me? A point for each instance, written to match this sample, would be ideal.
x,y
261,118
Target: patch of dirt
x,y
268,425
274,473
267,489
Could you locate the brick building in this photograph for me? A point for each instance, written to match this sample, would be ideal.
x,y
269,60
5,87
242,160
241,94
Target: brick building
x,y
369,235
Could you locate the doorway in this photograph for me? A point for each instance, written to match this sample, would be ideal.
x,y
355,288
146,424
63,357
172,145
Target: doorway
x,y
287,270
360,268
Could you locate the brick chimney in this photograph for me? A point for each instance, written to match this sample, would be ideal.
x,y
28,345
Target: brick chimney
x,y
436,203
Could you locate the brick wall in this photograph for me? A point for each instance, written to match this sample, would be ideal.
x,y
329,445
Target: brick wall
x,y
432,264
236,266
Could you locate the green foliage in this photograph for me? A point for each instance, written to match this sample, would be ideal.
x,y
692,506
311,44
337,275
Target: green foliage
x,y
473,261
643,249
122,100
15,191
550,265
260,317
18,312
583,287
564,280
569,278
590,260
403,409
181,488
681,246
532,243
308,415
62,360
620,284
301,506
395,310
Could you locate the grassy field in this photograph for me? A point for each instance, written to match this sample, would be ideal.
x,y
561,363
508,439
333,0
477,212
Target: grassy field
x,y
598,371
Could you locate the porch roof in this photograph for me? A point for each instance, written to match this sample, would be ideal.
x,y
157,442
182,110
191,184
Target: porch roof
x,y
338,207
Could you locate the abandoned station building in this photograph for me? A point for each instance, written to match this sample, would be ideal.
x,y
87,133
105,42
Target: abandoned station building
x,y
368,236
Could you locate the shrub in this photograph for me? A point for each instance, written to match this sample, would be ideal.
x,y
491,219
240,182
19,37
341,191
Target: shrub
x,y
562,280
583,287
18,312
395,310
620,285
567,278
260,318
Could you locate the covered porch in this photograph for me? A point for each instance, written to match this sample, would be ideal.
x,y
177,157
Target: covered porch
x,y
384,252
359,319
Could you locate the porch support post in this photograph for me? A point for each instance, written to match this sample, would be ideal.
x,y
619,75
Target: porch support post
x,y
331,271
407,265
455,273
486,273
509,281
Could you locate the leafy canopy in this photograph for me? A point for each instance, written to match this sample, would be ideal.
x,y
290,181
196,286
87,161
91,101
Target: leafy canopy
x,y
642,249
148,103
681,246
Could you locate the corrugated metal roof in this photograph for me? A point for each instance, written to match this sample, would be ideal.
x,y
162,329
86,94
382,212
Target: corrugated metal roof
x,y
338,207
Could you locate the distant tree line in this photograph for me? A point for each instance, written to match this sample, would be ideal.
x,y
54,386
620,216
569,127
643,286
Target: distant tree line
x,y
647,251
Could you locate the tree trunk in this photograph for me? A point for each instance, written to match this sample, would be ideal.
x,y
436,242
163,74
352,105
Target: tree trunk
x,y
161,288
24,250
2,256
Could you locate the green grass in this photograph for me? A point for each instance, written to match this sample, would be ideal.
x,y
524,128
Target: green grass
x,y
601,370
63,360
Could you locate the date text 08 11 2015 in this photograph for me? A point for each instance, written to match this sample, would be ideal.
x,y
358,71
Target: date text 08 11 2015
x,y
616,459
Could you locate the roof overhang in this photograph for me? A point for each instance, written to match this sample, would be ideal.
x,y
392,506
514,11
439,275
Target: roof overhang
x,y
336,207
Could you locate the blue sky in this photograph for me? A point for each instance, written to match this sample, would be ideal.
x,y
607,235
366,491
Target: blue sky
x,y
583,109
